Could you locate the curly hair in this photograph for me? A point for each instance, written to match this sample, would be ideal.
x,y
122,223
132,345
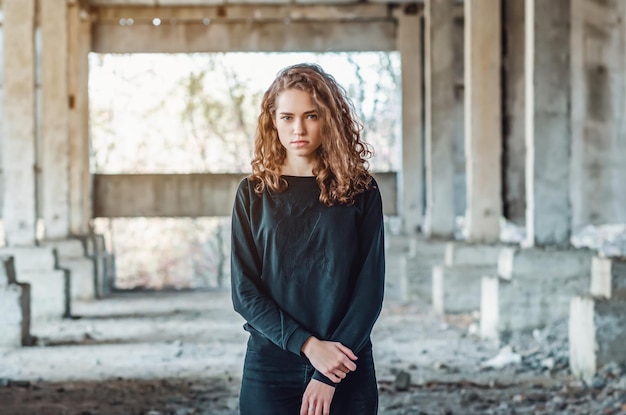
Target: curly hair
x,y
342,169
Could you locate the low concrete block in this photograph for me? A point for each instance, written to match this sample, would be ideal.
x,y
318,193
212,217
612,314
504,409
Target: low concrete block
x,y
457,289
537,293
596,334
72,256
48,294
96,252
82,272
463,253
104,262
14,315
31,259
14,307
50,286
72,248
608,277
541,263
426,255
396,281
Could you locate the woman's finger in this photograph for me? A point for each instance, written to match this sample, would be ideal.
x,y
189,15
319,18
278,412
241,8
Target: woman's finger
x,y
347,351
326,408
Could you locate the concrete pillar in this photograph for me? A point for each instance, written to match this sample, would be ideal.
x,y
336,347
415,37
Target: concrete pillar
x,y
79,36
440,119
483,119
412,178
54,140
14,307
608,277
596,335
18,126
598,116
548,132
513,142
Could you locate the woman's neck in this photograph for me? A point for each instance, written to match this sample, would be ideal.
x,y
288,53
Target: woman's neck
x,y
298,168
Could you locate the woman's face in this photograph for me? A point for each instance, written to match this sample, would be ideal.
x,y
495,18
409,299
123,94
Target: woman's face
x,y
298,124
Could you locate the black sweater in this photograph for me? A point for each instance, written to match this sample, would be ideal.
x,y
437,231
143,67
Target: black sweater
x,y
300,268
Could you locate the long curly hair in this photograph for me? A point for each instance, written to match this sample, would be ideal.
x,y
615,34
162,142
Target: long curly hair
x,y
342,169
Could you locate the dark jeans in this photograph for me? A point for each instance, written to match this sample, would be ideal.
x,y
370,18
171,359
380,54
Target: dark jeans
x,y
274,381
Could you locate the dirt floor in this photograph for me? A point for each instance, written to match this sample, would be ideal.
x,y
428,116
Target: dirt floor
x,y
181,354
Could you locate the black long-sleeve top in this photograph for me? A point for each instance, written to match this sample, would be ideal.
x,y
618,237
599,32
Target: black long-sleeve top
x,y
302,269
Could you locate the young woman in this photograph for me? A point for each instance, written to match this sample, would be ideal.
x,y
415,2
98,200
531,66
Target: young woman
x,y
307,258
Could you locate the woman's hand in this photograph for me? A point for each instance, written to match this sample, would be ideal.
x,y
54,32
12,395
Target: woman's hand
x,y
317,398
332,359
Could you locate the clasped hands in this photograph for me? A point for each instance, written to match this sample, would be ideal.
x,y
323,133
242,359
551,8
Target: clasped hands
x,y
333,360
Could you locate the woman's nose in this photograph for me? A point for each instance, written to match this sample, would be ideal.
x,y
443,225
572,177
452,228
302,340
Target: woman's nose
x,y
298,127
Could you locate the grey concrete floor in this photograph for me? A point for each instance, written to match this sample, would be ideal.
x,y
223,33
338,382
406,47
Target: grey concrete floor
x,y
181,353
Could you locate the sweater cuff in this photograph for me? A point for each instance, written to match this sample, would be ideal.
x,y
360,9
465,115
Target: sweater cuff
x,y
296,340
317,375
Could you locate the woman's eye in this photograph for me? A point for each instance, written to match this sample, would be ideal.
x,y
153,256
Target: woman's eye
x,y
286,117
312,116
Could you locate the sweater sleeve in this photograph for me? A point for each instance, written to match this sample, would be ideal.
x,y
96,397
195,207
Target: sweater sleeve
x,y
356,326
248,295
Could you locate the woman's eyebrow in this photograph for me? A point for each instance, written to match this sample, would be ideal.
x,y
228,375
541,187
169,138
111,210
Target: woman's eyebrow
x,y
291,113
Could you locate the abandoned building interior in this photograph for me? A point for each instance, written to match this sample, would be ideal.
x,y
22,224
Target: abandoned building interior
x,y
513,116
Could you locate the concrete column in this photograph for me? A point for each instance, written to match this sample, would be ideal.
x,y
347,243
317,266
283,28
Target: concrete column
x,y
548,100
54,148
513,142
79,35
598,118
483,120
440,119
18,127
412,178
